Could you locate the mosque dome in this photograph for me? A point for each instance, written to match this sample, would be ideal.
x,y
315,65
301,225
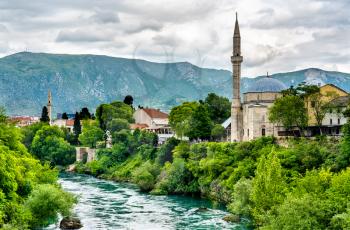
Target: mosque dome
x,y
267,84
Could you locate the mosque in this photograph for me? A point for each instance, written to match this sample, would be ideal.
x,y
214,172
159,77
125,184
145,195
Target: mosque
x,y
249,118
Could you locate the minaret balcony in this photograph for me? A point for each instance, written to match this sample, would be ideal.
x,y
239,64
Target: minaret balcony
x,y
236,59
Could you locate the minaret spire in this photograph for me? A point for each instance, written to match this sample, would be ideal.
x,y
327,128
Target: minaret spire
x,y
49,106
236,109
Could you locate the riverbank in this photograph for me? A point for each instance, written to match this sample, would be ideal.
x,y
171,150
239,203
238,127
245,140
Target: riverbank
x,y
109,205
259,179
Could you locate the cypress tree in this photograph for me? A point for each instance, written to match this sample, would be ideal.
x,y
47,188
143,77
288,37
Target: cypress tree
x,y
65,116
77,126
45,115
85,114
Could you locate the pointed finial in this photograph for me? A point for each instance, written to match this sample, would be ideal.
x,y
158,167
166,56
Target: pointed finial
x,y
236,16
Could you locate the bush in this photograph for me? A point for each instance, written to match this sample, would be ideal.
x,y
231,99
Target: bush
x,y
145,176
45,202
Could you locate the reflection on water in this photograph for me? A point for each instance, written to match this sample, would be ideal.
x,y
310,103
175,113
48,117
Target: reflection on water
x,y
109,205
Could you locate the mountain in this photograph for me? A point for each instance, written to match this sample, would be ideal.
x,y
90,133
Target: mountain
x,y
88,80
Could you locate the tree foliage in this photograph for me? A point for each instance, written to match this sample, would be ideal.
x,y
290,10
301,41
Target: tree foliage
x,y
200,124
49,145
219,108
44,115
21,176
91,134
290,112
105,113
180,116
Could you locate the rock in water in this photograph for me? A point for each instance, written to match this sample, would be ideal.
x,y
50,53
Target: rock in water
x,y
232,218
70,223
202,209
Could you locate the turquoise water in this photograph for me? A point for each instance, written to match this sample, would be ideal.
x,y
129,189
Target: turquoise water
x,y
109,205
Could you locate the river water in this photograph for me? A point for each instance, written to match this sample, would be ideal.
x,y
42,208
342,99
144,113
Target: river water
x,y
110,205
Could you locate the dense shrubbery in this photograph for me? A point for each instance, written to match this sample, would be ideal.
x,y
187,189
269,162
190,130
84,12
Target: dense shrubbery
x,y
25,185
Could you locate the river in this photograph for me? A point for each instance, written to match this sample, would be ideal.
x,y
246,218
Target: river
x,y
110,205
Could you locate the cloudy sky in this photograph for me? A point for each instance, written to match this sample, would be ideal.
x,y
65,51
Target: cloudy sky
x,y
277,35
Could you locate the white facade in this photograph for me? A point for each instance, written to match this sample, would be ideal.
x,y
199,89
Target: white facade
x,y
256,122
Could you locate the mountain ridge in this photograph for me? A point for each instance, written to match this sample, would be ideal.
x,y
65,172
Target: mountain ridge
x,y
85,80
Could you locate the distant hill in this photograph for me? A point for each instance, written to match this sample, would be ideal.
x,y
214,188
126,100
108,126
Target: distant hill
x,y
88,80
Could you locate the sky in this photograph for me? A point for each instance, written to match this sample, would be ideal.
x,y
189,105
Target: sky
x,y
277,35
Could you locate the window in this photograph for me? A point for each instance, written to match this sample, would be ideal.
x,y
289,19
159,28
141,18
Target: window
x,y
338,121
263,132
313,104
330,121
248,132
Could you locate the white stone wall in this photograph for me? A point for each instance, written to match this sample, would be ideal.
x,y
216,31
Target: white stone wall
x,y
337,118
255,115
141,117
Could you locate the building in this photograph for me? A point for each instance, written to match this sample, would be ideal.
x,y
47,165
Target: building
x,y
153,120
249,117
22,121
62,123
256,104
335,100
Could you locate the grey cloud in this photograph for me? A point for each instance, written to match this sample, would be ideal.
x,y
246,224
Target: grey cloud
x,y
3,29
262,55
103,17
330,13
81,36
146,25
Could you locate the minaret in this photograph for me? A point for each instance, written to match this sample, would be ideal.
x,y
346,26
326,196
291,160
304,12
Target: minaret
x,y
49,106
236,109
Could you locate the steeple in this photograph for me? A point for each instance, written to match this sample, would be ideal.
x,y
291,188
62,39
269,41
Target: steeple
x,y
237,33
49,106
236,39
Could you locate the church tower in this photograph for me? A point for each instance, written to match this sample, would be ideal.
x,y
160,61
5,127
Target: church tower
x,y
49,106
236,108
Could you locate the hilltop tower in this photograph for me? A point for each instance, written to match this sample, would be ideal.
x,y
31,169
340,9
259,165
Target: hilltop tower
x,y
236,108
49,106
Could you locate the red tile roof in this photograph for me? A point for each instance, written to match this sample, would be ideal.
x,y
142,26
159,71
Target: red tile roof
x,y
156,113
70,123
138,126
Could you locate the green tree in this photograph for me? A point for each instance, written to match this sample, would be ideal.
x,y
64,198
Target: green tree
x,y
29,133
218,132
200,124
117,124
3,116
290,112
84,114
219,108
91,134
44,115
180,116
46,202
65,116
49,145
129,100
105,113
77,126
269,187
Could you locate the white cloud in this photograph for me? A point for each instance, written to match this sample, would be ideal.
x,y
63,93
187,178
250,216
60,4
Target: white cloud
x,y
277,35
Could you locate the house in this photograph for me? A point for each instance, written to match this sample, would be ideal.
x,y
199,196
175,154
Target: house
x,y
335,100
68,124
154,121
